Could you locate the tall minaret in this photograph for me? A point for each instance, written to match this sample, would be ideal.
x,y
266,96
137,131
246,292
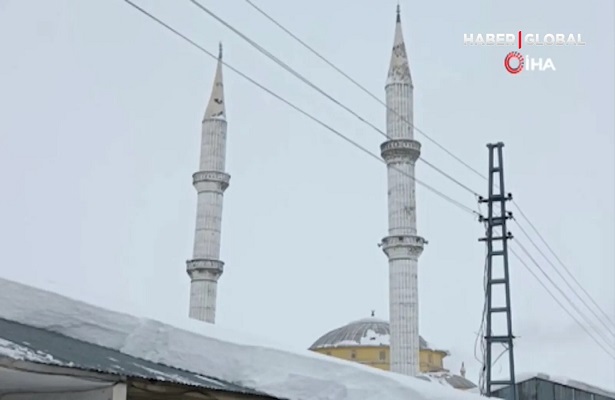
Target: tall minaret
x,y
402,247
210,183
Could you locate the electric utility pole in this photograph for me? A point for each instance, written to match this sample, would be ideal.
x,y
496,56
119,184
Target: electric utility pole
x,y
497,289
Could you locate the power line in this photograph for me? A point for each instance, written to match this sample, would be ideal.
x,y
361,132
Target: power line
x,y
608,328
294,72
337,133
300,110
606,316
565,297
560,303
285,66
450,153
370,94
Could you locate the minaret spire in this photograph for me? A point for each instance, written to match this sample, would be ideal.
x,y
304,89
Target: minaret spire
x,y
215,106
402,246
210,182
399,70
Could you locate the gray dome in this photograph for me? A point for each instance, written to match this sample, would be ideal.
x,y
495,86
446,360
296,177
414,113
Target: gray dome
x,y
364,332
446,378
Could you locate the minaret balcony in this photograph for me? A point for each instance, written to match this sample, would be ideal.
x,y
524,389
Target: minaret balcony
x,y
400,150
403,246
211,181
202,269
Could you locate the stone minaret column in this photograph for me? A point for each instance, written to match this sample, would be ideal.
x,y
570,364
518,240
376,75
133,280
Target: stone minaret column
x,y
402,247
210,183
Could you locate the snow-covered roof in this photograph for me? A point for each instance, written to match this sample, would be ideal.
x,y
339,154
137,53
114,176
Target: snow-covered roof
x,y
208,350
370,331
21,342
586,387
448,379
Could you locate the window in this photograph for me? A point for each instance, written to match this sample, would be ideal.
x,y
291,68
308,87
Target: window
x,y
353,354
383,355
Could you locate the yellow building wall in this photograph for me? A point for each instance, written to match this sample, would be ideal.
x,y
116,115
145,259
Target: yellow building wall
x,y
378,356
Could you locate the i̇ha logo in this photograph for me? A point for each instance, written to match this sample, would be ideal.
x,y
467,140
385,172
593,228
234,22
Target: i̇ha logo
x,y
515,62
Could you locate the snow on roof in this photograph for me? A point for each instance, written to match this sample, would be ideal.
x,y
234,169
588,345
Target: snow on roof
x,y
586,387
211,351
19,352
446,378
27,343
526,376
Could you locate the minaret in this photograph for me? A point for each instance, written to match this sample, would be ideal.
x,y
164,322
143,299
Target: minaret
x,y
402,247
210,183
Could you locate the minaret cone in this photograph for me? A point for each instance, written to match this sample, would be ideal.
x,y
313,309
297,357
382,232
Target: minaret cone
x,y
399,70
402,246
215,107
210,182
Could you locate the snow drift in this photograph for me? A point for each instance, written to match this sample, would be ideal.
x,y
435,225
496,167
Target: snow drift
x,y
209,350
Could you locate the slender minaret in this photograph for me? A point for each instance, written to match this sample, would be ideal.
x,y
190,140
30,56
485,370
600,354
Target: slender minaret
x,y
210,183
402,247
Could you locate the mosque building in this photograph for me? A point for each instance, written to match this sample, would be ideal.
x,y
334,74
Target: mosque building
x,y
367,341
395,345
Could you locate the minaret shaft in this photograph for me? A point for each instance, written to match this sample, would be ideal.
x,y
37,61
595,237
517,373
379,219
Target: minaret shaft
x,y
210,182
402,247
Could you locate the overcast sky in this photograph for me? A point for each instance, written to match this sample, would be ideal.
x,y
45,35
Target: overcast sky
x,y
100,132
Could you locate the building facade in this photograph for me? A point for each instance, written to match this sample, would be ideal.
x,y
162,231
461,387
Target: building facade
x,y
367,341
545,387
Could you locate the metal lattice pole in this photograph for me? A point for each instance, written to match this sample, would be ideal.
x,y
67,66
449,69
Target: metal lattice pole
x,y
498,278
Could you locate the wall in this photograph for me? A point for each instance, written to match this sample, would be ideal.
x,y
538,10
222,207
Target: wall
x,y
112,393
378,356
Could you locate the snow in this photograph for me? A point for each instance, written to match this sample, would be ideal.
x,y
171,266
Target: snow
x,y
162,376
17,352
437,377
209,350
373,338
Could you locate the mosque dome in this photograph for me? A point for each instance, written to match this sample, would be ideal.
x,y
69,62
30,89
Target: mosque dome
x,y
370,331
367,341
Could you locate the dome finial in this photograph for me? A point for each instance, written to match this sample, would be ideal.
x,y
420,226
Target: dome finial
x,y
373,313
463,369
398,12
220,51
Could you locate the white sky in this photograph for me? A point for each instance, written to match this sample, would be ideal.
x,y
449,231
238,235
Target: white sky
x,y
100,131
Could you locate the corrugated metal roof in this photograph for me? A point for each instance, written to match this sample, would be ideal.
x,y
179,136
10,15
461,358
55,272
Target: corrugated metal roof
x,y
564,388
22,342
